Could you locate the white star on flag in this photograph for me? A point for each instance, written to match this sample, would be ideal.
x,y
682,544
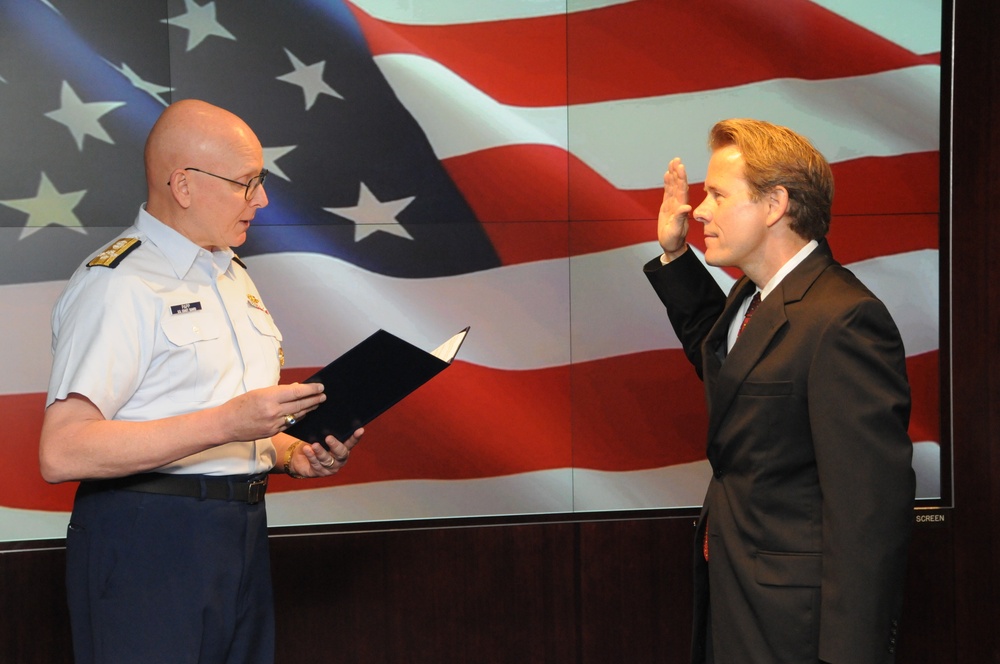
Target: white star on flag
x,y
82,119
152,89
371,215
200,22
48,207
271,157
310,79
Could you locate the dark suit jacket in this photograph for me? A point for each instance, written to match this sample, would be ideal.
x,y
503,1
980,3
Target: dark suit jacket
x,y
809,511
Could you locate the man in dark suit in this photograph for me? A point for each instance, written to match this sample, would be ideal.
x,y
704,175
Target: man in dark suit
x,y
803,536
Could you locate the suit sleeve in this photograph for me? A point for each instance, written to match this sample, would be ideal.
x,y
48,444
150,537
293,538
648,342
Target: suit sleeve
x,y
693,299
859,405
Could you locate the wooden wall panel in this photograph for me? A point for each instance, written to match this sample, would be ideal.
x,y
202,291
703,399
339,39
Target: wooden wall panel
x,y
466,594
34,620
976,354
555,593
635,590
927,628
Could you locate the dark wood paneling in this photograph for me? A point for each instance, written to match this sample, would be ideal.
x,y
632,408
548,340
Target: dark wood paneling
x,y
476,594
558,593
635,590
35,621
976,302
927,631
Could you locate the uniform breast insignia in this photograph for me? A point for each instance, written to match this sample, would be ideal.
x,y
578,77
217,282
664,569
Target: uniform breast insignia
x,y
255,302
281,356
114,254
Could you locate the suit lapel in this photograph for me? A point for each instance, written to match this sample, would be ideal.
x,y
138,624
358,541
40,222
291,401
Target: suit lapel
x,y
723,378
728,375
714,349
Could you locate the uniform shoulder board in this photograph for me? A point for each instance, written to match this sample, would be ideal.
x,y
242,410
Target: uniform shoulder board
x,y
239,262
114,254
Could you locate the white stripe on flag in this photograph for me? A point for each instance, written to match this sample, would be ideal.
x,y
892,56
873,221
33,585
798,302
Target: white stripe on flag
x,y
520,314
458,12
628,142
544,492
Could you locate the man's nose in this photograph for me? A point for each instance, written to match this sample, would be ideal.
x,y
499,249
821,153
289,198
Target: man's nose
x,y
701,213
259,198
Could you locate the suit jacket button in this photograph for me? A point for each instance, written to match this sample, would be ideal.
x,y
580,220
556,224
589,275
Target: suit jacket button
x,y
718,474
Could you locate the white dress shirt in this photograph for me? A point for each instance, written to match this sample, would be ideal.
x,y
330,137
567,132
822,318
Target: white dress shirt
x,y
793,262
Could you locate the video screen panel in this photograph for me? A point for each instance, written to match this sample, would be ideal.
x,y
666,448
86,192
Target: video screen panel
x,y
492,164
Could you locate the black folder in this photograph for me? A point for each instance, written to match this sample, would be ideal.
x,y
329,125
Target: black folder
x,y
368,380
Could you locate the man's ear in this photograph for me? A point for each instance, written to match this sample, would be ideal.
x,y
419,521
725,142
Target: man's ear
x,y
179,188
777,204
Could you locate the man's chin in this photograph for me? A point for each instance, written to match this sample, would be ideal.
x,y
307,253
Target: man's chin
x,y
714,259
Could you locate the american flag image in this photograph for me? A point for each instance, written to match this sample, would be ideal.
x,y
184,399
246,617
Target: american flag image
x,y
498,164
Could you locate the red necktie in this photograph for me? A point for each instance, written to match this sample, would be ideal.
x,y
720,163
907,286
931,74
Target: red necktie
x,y
754,303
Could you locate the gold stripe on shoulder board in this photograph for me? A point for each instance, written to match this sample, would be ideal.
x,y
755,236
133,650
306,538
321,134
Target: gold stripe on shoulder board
x,y
114,254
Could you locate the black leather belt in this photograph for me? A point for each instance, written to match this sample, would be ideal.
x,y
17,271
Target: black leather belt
x,y
241,488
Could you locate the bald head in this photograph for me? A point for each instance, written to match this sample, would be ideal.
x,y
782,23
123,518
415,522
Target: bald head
x,y
193,132
191,136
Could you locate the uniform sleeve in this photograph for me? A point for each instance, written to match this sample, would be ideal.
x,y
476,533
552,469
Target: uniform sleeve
x,y
98,328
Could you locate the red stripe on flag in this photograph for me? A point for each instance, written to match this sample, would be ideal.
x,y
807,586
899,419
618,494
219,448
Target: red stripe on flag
x,y
468,422
638,411
631,412
880,206
519,62
524,182
24,486
905,184
629,50
647,410
924,372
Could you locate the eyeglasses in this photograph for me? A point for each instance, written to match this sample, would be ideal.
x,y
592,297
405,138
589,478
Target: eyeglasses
x,y
251,186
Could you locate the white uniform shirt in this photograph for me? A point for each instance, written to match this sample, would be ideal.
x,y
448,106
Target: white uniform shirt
x,y
172,329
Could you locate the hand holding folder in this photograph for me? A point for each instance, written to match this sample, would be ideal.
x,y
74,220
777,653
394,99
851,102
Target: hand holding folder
x,y
368,380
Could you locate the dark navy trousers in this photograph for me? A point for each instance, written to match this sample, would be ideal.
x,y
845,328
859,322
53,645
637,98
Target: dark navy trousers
x,y
153,578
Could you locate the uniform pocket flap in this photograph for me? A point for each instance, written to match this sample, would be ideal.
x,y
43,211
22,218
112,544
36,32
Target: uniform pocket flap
x,y
264,324
188,329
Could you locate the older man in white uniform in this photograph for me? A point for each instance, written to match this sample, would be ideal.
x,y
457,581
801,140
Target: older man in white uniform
x,y
164,403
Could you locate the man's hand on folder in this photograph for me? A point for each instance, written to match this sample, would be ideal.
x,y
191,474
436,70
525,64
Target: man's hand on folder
x,y
302,459
266,411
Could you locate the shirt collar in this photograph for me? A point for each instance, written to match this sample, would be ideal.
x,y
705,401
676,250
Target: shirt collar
x,y
179,251
792,263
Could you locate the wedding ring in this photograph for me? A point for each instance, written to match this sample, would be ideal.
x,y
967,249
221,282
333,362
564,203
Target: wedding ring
x,y
328,465
290,420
